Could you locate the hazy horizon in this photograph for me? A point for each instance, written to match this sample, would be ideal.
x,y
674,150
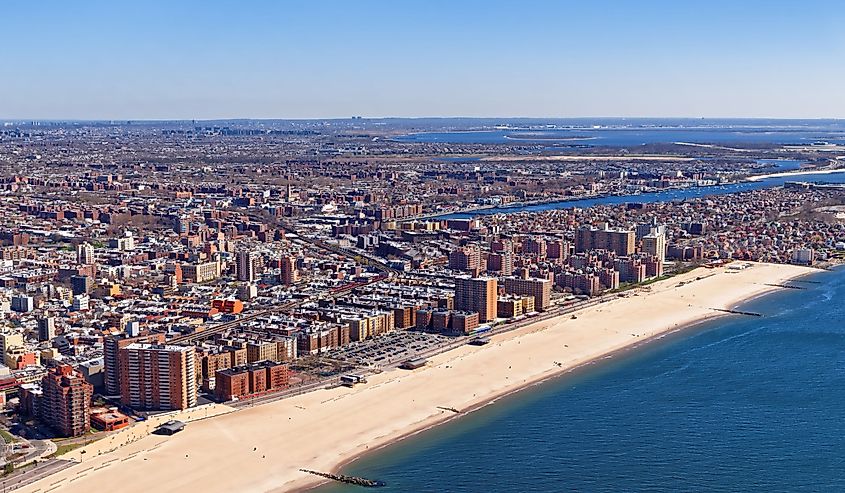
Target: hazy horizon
x,y
429,117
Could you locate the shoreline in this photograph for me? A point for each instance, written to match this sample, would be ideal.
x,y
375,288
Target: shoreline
x,y
327,430
796,173
545,379
527,387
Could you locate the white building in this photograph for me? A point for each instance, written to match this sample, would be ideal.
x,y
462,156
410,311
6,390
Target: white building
x,y
85,254
80,302
805,256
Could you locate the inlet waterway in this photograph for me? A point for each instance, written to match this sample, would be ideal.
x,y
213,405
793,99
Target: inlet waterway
x,y
669,195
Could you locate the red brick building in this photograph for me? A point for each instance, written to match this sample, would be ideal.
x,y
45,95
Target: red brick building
x,y
67,401
257,379
464,322
230,383
266,376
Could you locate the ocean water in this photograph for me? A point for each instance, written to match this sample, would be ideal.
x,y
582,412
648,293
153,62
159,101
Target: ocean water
x,y
733,405
636,136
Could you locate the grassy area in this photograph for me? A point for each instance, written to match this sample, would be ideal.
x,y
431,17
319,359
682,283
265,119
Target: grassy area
x,y
67,447
631,285
668,275
7,437
656,279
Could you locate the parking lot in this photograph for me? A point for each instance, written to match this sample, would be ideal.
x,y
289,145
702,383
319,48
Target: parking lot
x,y
392,349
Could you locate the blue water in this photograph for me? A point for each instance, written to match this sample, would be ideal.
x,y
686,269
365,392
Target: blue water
x,y
663,196
773,164
734,405
627,137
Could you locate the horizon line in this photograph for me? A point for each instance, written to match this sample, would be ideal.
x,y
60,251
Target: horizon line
x,y
360,117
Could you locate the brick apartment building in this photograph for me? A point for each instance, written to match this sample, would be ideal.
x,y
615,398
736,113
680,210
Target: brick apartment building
x,y
157,377
259,377
67,401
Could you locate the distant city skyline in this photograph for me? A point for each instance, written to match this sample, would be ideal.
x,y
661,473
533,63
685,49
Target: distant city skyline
x,y
98,60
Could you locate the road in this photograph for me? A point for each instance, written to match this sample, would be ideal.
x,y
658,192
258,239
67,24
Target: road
x,y
34,473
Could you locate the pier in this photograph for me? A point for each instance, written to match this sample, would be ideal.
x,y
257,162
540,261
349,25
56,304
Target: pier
x,y
363,482
787,286
738,312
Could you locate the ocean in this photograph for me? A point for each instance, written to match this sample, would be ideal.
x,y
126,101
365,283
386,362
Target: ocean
x,y
731,405
628,134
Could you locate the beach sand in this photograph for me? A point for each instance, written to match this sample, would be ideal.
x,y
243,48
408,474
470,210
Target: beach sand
x,y
799,172
261,449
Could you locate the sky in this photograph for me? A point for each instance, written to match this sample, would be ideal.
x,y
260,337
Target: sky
x,y
187,59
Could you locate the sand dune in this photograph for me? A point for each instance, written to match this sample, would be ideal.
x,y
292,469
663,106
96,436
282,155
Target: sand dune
x,y
261,449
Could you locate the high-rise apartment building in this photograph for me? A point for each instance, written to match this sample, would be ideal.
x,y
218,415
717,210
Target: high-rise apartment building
x,y
158,377
247,265
465,259
22,303
261,351
251,379
540,289
85,254
477,294
81,284
501,262
622,242
535,246
580,283
558,250
655,244
46,328
9,338
111,361
289,275
67,401
630,269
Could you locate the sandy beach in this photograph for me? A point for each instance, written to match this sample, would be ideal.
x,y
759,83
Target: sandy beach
x,y
261,449
797,173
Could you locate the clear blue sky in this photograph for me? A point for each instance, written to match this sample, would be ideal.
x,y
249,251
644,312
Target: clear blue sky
x,y
324,58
